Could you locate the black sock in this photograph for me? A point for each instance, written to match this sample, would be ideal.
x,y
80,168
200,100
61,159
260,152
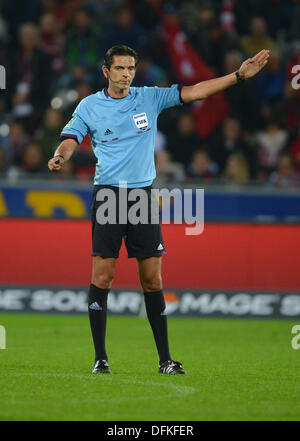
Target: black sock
x,y
155,305
97,305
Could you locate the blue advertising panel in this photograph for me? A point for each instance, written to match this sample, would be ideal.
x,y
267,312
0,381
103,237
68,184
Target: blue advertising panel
x,y
72,202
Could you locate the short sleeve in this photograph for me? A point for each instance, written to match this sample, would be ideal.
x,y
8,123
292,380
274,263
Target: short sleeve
x,y
76,128
168,97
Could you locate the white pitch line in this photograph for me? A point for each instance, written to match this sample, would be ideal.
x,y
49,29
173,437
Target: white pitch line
x,y
182,390
177,389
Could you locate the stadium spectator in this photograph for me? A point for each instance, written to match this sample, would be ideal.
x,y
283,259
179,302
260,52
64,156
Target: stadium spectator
x,y
18,12
277,13
218,42
258,38
13,145
125,30
82,46
31,77
149,73
166,170
103,7
183,141
4,35
33,160
202,167
168,119
285,175
242,98
84,160
270,143
236,169
145,14
228,141
210,39
76,75
81,90
48,134
270,84
63,10
52,41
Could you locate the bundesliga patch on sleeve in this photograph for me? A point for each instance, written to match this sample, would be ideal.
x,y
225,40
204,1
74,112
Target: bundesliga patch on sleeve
x,y
70,123
141,121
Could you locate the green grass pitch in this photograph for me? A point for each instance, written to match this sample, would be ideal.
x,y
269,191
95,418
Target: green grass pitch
x,y
238,369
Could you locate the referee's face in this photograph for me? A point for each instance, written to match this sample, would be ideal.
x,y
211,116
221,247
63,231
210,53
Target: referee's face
x,y
121,73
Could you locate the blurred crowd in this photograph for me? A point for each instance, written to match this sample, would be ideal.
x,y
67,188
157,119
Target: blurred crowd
x,y
52,51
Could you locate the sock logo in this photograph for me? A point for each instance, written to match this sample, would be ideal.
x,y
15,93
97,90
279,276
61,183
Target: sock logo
x,y
95,306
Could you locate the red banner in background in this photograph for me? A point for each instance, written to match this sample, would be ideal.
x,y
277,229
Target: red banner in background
x,y
186,62
225,256
190,69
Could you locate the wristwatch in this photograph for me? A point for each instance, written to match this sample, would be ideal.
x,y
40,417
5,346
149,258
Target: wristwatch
x,y
238,76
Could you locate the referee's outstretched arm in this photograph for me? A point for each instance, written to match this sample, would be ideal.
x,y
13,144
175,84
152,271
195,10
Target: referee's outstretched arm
x,y
248,69
63,153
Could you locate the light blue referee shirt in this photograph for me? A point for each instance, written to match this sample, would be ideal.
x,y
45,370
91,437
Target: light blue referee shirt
x,y
122,131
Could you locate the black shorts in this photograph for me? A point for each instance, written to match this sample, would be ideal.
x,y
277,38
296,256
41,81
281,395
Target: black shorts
x,y
142,239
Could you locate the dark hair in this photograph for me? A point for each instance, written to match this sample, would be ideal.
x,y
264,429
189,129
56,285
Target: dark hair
x,y
120,49
85,10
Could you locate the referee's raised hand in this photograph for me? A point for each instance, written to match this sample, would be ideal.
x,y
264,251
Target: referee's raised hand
x,y
252,66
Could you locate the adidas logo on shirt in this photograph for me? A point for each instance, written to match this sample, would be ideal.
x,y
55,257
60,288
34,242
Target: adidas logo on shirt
x,y
108,132
95,306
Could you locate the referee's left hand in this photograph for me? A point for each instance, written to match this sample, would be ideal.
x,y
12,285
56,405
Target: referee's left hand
x,y
252,66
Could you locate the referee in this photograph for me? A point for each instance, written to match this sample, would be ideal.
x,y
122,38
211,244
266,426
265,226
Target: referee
x,y
122,123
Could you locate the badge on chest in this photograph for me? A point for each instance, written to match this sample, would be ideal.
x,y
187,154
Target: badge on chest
x,y
141,121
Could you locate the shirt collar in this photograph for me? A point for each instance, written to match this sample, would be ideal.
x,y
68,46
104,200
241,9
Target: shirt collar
x,y
108,95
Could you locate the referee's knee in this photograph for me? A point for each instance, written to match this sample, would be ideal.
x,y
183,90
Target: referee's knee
x,y
152,285
103,281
